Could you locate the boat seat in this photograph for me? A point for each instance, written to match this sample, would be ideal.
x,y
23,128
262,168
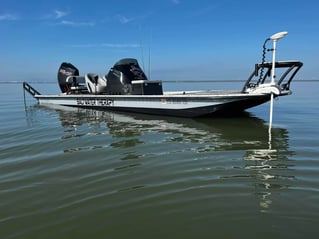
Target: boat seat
x,y
104,77
95,84
77,84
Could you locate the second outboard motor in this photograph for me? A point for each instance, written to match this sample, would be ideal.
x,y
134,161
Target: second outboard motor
x,y
66,70
122,74
131,69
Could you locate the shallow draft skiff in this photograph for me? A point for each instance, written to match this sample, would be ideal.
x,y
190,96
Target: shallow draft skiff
x,y
126,88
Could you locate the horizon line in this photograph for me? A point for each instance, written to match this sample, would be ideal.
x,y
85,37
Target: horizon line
x,y
165,81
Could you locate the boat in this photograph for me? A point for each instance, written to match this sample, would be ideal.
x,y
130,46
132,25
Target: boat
x,y
126,88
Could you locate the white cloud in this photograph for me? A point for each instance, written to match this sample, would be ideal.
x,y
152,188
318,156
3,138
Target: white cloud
x,y
8,17
120,45
77,24
82,45
123,19
59,14
55,15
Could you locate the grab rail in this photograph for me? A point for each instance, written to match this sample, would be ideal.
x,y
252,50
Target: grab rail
x,y
30,89
290,69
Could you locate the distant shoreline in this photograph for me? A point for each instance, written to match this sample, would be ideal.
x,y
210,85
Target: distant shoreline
x,y
164,81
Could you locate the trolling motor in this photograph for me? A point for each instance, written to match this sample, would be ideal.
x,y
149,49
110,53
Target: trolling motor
x,y
261,87
275,38
270,87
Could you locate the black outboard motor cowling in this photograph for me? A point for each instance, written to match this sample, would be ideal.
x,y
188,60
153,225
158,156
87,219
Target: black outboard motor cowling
x,y
121,75
131,69
65,70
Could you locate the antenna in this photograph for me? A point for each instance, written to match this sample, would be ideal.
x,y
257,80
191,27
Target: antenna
x,y
149,56
141,45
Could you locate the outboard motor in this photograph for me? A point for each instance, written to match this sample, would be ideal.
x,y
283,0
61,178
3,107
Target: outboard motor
x,y
65,70
131,69
121,75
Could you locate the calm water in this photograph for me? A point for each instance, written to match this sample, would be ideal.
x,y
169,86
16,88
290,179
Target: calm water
x,y
89,174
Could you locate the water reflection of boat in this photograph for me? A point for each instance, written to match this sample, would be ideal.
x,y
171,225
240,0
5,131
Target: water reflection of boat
x,y
263,161
241,133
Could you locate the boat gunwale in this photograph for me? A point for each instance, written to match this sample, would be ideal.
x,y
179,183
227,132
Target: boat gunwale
x,y
179,94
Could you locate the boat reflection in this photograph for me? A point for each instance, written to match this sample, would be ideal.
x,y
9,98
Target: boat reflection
x,y
247,132
249,135
265,162
241,133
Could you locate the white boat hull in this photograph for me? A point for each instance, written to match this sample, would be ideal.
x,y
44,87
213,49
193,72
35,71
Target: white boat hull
x,y
186,104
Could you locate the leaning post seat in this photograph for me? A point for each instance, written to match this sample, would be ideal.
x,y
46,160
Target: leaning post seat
x,y
95,84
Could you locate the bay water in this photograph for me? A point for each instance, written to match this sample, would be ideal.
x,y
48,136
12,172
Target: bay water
x,y
70,173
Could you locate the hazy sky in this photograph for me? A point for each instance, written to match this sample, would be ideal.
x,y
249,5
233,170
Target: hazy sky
x,y
182,39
